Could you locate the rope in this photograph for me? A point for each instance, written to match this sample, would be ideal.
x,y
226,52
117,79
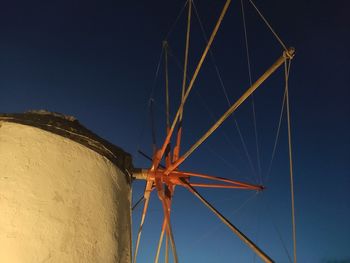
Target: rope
x,y
167,103
153,127
186,53
245,149
212,115
189,88
211,230
151,96
228,163
286,70
140,138
276,138
226,94
250,83
269,26
226,137
175,22
258,231
142,132
246,43
278,232
184,82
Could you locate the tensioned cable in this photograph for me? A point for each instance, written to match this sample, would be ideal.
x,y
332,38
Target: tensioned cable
x,y
286,97
167,102
177,147
276,138
147,200
246,43
278,232
286,70
189,88
212,115
257,232
268,25
277,133
272,158
162,51
225,92
229,164
149,99
175,22
252,96
184,79
235,211
153,128
226,137
151,96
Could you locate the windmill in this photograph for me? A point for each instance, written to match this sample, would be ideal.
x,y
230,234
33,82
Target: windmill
x,y
163,179
65,192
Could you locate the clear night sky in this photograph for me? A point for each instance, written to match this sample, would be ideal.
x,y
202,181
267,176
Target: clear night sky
x,y
96,60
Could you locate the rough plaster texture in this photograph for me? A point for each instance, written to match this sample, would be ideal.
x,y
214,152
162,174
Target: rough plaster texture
x,y
59,201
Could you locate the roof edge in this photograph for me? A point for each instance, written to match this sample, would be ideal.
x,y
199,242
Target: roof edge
x,y
69,127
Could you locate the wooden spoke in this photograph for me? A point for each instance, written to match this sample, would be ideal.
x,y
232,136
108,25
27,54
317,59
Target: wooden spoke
x,y
222,186
272,69
186,54
188,90
171,237
167,103
160,241
175,176
166,211
167,249
144,212
179,131
234,229
215,178
167,200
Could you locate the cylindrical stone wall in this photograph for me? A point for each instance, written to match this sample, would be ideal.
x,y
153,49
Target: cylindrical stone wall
x,y
59,200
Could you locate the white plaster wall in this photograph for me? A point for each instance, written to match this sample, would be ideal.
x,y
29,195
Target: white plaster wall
x,y
59,201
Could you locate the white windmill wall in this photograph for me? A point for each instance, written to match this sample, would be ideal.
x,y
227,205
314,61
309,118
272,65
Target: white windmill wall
x,y
59,200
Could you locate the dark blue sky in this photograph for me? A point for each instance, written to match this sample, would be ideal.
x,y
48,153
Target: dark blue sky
x,y
96,60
